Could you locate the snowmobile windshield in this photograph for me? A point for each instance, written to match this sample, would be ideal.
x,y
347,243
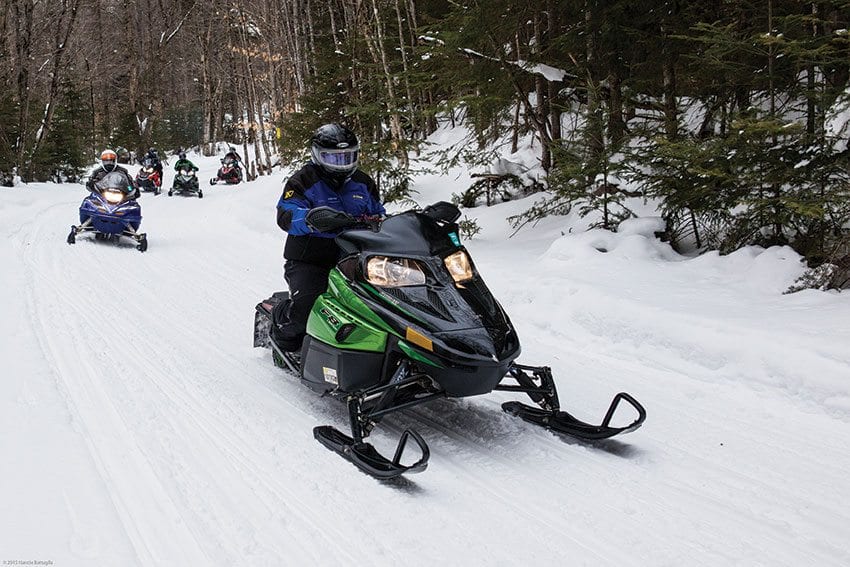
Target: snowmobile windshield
x,y
405,234
115,181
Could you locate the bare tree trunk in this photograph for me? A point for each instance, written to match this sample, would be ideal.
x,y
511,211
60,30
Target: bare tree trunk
x,y
775,188
333,27
376,46
62,37
205,46
255,112
312,36
541,111
401,46
595,135
552,94
515,129
23,10
811,99
94,111
771,57
293,46
671,119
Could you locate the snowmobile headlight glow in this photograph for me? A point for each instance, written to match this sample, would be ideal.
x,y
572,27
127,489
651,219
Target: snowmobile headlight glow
x,y
113,196
394,272
459,266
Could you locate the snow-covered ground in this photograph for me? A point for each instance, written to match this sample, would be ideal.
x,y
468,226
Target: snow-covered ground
x,y
139,427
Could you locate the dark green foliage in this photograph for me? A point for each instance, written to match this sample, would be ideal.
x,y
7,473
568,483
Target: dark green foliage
x,y
64,154
763,184
8,137
468,228
180,127
395,184
126,134
492,189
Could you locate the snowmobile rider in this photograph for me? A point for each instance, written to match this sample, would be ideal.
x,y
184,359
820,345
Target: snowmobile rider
x,y
184,163
108,164
330,179
235,158
153,156
232,154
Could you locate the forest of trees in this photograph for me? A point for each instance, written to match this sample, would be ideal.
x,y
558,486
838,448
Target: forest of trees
x,y
723,110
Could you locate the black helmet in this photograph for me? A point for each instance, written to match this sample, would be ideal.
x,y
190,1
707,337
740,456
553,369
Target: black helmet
x,y
182,155
152,151
335,149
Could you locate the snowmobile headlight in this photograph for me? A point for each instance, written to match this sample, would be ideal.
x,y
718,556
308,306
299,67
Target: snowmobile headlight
x,y
113,196
394,272
459,266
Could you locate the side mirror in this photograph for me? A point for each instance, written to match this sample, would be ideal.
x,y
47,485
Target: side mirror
x,y
442,211
326,219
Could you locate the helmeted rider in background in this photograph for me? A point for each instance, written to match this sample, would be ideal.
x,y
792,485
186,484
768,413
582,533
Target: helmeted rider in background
x,y
330,179
234,156
153,156
184,163
109,164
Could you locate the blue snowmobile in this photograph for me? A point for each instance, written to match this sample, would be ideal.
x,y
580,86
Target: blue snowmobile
x,y
111,211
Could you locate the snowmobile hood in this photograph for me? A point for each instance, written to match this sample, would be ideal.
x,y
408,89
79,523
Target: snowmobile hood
x,y
463,320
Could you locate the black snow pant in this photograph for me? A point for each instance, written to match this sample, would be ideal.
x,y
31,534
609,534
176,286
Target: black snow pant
x,y
306,282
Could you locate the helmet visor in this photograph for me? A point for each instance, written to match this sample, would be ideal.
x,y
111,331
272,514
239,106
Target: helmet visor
x,y
338,160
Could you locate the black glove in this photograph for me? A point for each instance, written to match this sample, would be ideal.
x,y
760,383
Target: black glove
x,y
327,219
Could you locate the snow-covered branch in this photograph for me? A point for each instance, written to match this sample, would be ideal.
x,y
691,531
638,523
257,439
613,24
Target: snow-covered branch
x,y
163,39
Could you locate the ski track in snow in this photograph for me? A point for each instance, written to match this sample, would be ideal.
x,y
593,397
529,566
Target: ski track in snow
x,y
206,453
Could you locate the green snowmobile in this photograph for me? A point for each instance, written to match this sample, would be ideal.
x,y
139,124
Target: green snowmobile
x,y
407,319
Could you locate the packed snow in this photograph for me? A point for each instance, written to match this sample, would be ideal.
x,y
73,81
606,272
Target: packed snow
x,y
140,427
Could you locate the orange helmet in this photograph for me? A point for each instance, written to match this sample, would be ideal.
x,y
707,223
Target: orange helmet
x,y
108,156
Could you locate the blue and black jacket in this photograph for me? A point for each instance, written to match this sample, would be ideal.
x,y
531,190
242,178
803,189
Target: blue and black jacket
x,y
307,189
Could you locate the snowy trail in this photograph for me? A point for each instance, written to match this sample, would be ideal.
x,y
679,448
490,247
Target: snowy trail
x,y
188,447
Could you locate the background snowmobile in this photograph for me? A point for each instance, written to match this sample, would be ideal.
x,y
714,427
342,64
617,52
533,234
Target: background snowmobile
x,y
229,172
186,183
148,179
111,211
407,319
